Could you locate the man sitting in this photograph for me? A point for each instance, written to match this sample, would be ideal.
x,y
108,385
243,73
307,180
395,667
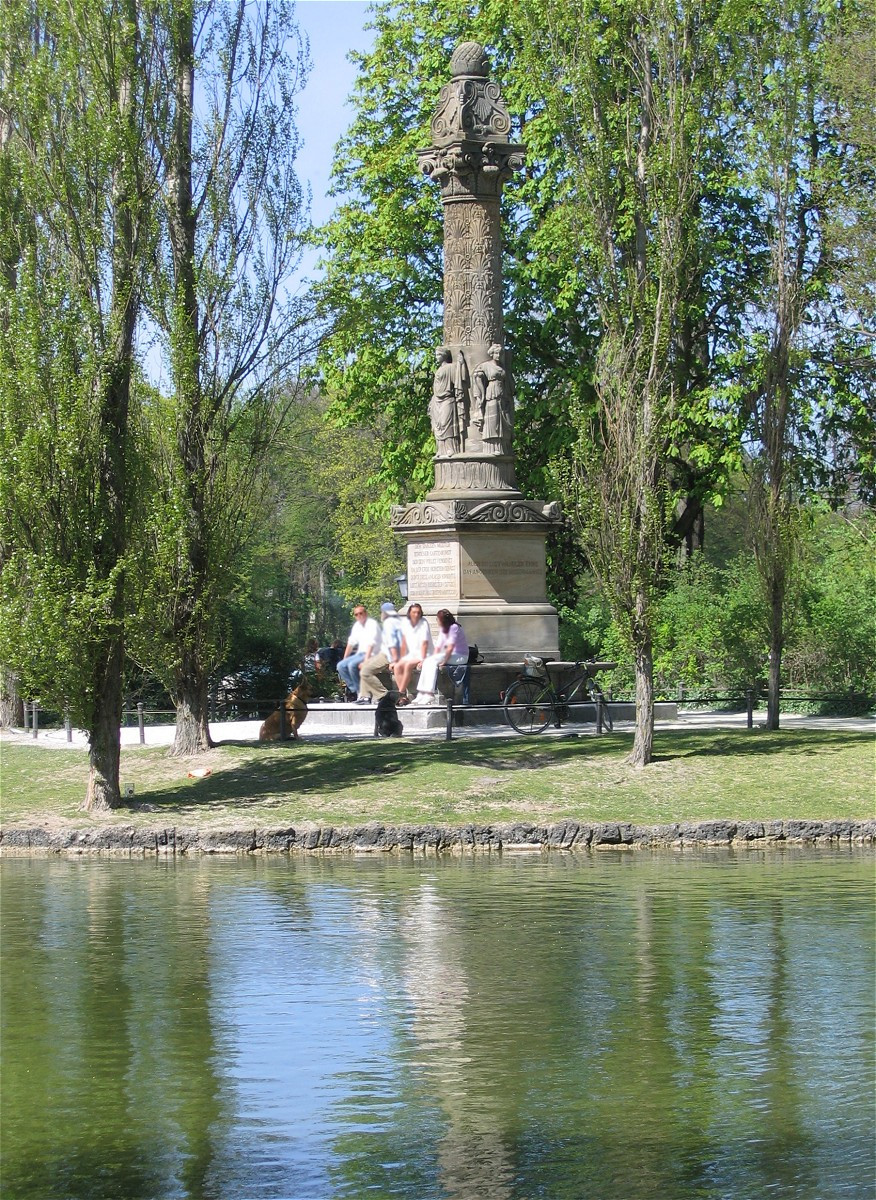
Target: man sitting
x,y
364,640
328,657
371,686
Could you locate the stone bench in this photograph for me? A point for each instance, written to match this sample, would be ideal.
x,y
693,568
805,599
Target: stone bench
x,y
487,682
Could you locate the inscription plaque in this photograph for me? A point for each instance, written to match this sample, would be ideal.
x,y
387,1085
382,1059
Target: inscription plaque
x,y
433,572
506,568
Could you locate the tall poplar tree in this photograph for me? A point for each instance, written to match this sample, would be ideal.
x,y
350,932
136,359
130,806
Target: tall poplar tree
x,y
635,95
806,350
77,187
232,329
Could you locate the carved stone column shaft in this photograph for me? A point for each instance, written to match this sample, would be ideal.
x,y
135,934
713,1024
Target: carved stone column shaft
x,y
470,159
472,275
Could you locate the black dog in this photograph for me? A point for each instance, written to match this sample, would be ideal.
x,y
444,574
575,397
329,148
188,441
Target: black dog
x,y
386,722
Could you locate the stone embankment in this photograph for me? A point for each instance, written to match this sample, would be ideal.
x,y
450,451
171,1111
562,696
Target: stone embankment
x,y
433,839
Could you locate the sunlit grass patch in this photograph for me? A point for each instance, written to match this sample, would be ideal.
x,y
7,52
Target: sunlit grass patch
x,y
696,775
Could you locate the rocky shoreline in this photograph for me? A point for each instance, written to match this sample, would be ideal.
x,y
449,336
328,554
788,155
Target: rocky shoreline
x,y
431,839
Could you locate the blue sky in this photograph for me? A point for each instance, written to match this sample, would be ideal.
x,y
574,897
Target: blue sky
x,y
334,27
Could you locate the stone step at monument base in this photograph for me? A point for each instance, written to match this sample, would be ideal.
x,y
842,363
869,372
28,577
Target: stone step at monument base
x,y
359,718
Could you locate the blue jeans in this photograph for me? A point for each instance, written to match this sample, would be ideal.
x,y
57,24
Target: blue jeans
x,y
348,671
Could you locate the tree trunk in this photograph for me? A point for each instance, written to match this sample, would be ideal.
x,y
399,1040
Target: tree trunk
x,y
688,528
104,791
191,696
190,687
777,644
11,704
104,751
643,742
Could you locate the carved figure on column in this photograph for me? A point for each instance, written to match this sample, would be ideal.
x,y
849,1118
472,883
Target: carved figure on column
x,y
494,403
443,411
448,408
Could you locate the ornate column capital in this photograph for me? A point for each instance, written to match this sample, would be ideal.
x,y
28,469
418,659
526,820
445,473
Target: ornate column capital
x,y
465,170
470,107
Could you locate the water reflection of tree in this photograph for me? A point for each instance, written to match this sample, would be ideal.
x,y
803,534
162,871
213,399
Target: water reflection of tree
x,y
796,963
711,1029
109,1085
779,1155
619,1029
180,1070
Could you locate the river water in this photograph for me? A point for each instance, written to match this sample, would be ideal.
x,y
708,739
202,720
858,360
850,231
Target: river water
x,y
614,1025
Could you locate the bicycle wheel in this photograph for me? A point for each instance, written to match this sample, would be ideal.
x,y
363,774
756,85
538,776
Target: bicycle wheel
x,y
529,706
597,695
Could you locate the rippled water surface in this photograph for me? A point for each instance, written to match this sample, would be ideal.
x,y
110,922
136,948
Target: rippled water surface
x,y
615,1026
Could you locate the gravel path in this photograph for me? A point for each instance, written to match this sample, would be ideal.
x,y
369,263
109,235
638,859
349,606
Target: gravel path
x,y
242,731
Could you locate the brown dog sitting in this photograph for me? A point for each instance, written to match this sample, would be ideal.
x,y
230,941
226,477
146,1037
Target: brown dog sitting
x,y
295,705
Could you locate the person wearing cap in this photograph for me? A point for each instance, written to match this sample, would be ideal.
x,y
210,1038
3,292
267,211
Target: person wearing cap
x,y
363,642
371,686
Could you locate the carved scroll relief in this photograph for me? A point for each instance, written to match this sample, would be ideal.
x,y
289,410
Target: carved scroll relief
x,y
471,109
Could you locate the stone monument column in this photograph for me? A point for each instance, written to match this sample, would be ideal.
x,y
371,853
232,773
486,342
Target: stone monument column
x,y
475,545
470,159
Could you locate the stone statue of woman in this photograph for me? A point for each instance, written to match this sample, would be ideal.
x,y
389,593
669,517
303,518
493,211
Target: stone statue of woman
x,y
494,403
443,410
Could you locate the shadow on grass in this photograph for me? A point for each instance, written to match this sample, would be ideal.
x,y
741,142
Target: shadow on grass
x,y
307,769
277,773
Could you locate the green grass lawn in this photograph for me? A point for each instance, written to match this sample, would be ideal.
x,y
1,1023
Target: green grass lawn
x,y
697,775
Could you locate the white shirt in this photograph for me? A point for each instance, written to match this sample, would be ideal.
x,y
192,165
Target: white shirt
x,y
415,635
364,637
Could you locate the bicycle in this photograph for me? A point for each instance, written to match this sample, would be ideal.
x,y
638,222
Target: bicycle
x,y
532,702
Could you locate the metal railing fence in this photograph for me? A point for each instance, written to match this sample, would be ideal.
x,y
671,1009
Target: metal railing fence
x,y
257,708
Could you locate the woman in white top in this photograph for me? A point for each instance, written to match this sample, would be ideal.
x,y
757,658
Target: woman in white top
x,y
418,642
451,647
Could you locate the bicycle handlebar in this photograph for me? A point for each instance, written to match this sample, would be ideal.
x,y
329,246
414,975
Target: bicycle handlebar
x,y
591,664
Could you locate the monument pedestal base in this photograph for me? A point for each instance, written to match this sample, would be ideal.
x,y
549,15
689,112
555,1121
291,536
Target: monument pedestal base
x,y
484,559
505,632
